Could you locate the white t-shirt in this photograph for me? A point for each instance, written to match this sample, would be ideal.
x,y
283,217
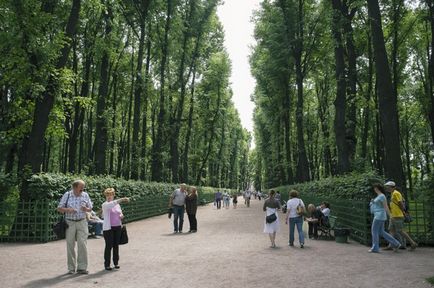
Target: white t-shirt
x,y
291,205
326,212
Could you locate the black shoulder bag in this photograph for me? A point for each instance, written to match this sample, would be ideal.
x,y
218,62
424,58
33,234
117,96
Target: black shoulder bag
x,y
60,227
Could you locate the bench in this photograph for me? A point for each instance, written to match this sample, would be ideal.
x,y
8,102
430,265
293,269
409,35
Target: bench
x,y
325,231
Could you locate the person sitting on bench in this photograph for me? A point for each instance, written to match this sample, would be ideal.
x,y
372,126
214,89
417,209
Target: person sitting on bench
x,y
96,222
325,210
314,219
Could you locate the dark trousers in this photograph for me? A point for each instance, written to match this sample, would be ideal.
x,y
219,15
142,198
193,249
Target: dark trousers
x,y
193,221
112,238
313,229
219,203
178,218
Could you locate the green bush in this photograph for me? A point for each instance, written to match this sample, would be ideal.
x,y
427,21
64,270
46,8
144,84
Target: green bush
x,y
9,197
352,186
53,186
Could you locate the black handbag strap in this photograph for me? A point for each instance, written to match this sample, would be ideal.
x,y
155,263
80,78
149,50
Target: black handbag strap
x,y
67,199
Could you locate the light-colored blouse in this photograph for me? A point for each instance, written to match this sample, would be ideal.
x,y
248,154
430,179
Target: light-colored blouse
x,y
111,211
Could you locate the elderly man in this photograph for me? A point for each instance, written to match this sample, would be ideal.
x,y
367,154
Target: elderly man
x,y
74,204
177,203
396,224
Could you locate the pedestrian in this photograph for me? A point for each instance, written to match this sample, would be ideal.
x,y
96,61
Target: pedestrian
x,y
218,199
314,219
112,227
177,203
226,200
260,195
396,223
295,210
74,204
380,210
271,206
247,196
278,197
235,200
191,207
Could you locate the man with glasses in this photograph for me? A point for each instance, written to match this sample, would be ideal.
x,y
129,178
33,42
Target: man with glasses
x,y
74,204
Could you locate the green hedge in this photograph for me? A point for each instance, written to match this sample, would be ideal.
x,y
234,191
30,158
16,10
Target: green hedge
x,y
53,186
352,186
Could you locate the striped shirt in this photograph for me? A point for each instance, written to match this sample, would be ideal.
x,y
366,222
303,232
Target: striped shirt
x,y
75,202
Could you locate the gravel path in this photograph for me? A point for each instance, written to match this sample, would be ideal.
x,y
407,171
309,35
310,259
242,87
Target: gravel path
x,y
229,250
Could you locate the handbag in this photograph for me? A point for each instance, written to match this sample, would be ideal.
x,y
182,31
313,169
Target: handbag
x,y
300,209
60,227
271,218
407,217
124,236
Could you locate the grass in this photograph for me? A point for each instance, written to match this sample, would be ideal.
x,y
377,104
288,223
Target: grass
x,y
430,280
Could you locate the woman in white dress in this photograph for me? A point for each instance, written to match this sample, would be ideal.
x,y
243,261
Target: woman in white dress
x,y
271,206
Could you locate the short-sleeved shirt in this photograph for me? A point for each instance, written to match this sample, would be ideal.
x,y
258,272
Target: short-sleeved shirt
x,y
75,202
326,212
292,204
271,203
178,197
377,207
395,210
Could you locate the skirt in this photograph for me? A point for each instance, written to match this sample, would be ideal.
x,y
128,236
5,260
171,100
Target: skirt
x,y
271,227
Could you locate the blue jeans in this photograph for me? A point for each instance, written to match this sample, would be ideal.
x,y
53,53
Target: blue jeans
x,y
377,230
299,222
178,218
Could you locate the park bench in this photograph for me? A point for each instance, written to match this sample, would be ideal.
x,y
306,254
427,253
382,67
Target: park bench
x,y
324,231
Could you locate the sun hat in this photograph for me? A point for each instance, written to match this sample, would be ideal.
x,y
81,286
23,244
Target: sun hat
x,y
390,183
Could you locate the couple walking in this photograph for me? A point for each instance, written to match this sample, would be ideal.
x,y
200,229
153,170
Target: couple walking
x,y
74,205
181,200
295,209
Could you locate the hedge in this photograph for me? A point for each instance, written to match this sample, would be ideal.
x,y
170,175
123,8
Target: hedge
x,y
351,186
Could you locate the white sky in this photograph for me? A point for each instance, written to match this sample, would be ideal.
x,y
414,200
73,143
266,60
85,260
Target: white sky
x,y
235,16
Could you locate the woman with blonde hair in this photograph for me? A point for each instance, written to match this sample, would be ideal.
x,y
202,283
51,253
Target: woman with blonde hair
x,y
191,208
112,226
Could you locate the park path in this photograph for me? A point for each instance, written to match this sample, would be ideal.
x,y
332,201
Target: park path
x,y
229,250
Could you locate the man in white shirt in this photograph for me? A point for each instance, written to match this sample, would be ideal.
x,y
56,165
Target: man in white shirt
x,y
177,203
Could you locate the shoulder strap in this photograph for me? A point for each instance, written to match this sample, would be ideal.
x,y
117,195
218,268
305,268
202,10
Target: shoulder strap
x,y
67,199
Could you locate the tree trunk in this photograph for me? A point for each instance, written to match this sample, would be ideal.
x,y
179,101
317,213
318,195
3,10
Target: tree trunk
x,y
101,127
157,148
32,148
185,171
430,4
387,100
31,153
343,164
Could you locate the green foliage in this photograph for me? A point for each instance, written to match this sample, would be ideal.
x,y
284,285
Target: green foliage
x,y
54,185
353,186
430,280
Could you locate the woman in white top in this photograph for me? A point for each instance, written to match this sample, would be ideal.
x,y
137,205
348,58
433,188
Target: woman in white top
x,y
112,225
271,205
295,218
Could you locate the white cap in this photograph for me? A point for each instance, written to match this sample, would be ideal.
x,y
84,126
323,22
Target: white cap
x,y
390,183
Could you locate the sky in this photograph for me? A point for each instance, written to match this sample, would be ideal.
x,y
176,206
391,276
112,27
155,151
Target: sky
x,y
235,16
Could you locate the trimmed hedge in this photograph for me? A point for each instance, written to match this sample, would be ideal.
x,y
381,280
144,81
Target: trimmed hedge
x,y
352,186
53,186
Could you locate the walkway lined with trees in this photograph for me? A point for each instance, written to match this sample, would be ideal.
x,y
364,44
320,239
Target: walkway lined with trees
x,y
229,250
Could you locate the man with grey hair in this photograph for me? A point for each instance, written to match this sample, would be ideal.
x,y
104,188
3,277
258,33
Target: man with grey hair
x,y
177,203
74,204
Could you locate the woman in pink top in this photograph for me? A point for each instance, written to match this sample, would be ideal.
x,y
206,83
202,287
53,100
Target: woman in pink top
x,y
112,225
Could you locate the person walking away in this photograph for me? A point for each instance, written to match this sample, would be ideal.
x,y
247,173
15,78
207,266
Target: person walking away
x,y
235,200
191,207
295,210
248,195
177,203
380,210
396,223
226,200
74,204
314,219
260,195
218,199
278,197
112,227
271,206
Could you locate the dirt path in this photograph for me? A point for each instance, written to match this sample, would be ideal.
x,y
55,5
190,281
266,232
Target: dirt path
x,y
229,250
